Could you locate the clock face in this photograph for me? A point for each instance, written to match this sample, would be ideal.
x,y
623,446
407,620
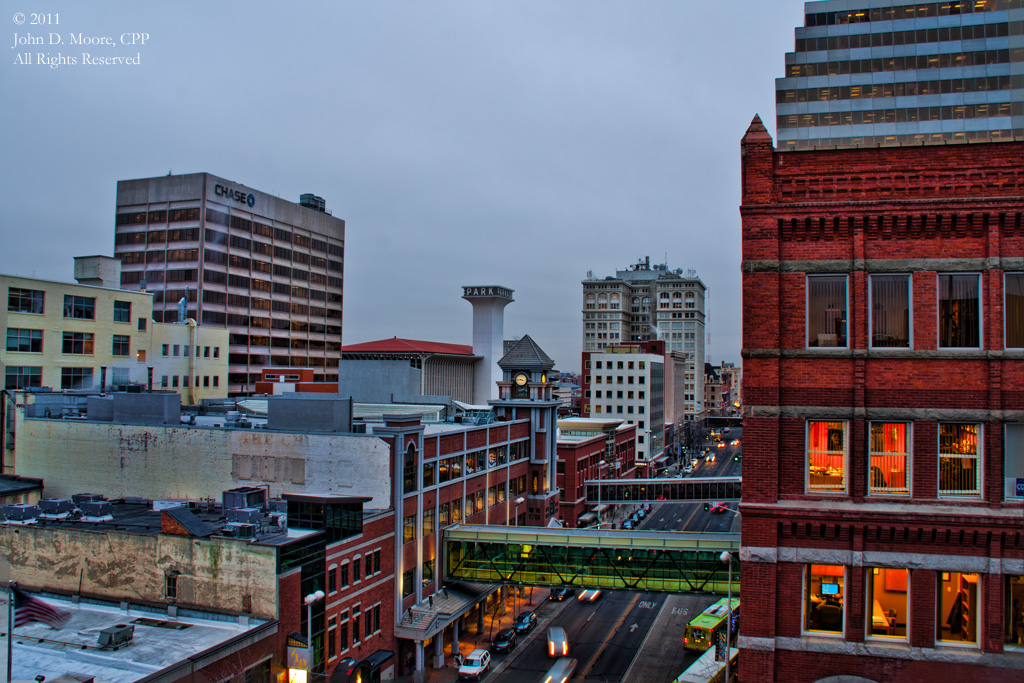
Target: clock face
x,y
521,379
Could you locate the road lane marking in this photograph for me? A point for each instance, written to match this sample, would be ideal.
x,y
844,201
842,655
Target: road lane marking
x,y
611,633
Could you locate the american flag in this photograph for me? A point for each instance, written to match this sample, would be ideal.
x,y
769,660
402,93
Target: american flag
x,y
28,609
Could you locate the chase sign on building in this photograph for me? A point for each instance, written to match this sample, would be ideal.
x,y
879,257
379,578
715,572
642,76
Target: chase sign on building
x,y
247,198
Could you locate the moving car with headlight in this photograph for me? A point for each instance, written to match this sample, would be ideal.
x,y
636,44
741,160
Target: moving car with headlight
x,y
558,643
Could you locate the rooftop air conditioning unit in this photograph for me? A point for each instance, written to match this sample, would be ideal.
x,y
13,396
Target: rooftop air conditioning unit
x,y
239,530
116,636
80,498
245,515
21,513
244,497
97,510
55,508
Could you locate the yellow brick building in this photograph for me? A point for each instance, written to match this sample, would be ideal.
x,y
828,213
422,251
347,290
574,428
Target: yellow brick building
x,y
95,336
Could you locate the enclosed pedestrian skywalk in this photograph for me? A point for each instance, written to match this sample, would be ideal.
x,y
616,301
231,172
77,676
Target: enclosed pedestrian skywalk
x,y
688,490
656,561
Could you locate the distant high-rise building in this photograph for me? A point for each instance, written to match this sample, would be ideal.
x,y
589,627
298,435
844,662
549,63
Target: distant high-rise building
x,y
883,72
646,303
267,269
627,381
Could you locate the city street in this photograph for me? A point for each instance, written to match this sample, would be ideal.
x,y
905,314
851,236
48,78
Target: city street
x,y
634,637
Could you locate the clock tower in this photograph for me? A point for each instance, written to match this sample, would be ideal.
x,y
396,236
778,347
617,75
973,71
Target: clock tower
x,y
525,392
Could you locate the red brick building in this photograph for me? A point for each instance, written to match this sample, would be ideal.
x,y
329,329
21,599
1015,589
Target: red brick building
x,y
883,395
591,449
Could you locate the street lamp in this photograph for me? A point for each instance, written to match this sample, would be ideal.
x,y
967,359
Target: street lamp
x,y
310,600
515,594
600,469
726,557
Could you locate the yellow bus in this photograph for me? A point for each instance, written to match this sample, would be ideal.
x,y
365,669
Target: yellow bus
x,y
700,632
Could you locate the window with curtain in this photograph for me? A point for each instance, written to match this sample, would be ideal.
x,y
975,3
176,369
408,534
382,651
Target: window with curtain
x,y
826,311
890,459
826,456
959,459
959,312
890,311
1013,460
1014,310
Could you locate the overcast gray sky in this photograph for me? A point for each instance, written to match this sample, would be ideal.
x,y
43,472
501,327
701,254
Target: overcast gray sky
x,y
510,142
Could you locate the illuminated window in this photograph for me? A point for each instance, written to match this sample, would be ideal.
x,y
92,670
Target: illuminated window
x,y
887,602
1013,612
826,456
409,529
959,608
890,458
959,459
823,598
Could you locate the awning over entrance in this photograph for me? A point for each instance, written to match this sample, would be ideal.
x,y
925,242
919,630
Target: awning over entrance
x,y
600,508
587,518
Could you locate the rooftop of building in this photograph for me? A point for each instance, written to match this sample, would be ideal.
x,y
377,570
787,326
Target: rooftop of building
x,y
411,346
199,518
66,283
525,354
11,484
644,271
159,642
577,429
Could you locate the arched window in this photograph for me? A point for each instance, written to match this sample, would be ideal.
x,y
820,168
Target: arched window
x,y
410,478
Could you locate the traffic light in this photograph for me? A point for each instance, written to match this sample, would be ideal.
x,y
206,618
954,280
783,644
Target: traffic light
x,y
707,506
736,458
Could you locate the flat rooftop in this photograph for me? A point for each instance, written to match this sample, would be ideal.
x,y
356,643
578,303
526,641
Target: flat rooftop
x,y
139,516
159,641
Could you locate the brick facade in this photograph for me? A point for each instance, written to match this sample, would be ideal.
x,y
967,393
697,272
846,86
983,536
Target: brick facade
x,y
820,495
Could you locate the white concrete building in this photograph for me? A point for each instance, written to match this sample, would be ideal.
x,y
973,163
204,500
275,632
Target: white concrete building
x,y
268,270
627,382
644,303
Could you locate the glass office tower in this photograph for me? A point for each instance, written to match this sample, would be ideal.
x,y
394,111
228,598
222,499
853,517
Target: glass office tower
x,y
877,72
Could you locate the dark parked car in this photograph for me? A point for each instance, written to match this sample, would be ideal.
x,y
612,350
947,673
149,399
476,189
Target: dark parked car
x,y
560,593
525,622
505,640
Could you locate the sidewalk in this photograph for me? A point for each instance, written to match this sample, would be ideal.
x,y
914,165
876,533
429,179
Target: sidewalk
x,y
470,638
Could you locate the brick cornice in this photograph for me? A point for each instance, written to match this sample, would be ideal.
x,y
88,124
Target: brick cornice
x,y
945,265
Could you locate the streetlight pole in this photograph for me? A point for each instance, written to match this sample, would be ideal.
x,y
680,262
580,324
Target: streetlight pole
x,y
310,600
515,589
726,557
